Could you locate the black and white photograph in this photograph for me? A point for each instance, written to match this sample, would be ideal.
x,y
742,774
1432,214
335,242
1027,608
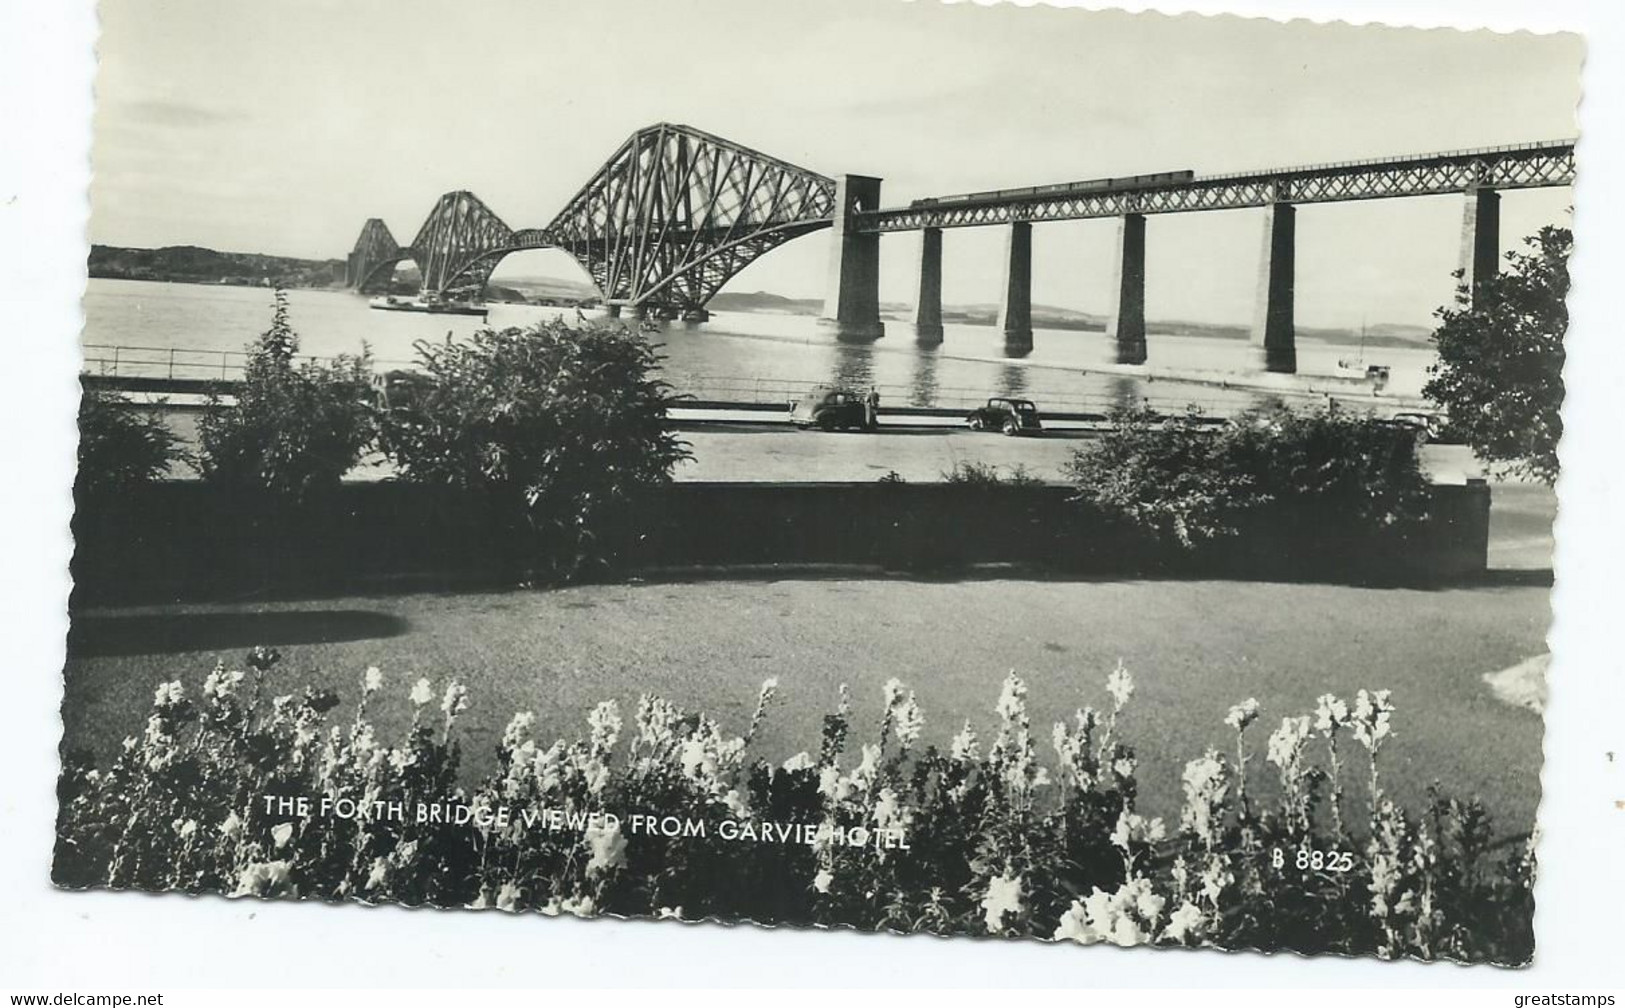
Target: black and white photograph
x,y
1077,476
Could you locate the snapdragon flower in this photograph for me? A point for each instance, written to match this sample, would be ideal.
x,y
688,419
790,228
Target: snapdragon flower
x,y
604,722
1331,714
964,747
1206,784
422,693
1242,714
1185,924
608,849
1286,744
1133,828
1372,717
909,722
169,694
1003,897
1120,684
518,731
265,878
1012,705
455,699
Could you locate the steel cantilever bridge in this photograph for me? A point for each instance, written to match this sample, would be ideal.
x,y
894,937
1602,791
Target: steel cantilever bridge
x,y
676,212
672,216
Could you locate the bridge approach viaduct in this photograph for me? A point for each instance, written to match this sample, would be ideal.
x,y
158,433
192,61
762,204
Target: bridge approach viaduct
x,y
676,212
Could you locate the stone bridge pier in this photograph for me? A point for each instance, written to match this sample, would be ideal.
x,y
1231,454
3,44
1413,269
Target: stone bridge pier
x,y
928,306
1016,305
852,297
1480,238
1274,328
1274,325
1126,327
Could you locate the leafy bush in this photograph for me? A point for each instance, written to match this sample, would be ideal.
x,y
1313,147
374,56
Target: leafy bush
x,y
561,428
120,446
296,428
1500,369
1183,480
997,840
987,474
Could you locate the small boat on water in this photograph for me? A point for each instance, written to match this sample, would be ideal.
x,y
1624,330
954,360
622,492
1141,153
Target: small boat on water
x,y
428,305
1356,367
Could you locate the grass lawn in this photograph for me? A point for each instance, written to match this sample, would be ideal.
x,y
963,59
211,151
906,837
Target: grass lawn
x,y
1195,647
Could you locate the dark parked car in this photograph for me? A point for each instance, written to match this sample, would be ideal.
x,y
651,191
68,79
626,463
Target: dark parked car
x,y
1425,426
1012,416
831,409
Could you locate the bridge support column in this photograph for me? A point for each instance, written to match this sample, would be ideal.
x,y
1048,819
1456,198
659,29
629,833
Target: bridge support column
x,y
1274,330
1016,307
1480,238
852,299
1127,324
613,311
928,308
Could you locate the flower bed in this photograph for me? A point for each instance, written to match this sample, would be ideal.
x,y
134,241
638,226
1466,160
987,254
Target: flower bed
x,y
241,793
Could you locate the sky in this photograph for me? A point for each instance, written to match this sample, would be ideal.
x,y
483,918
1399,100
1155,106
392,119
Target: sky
x,y
280,128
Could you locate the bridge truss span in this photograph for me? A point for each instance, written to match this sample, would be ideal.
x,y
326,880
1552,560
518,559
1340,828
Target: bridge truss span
x,y
676,212
673,215
1525,166
374,249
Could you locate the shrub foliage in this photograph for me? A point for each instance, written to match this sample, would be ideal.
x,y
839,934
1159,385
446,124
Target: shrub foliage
x,y
1500,369
120,446
988,475
994,838
1185,480
561,428
296,428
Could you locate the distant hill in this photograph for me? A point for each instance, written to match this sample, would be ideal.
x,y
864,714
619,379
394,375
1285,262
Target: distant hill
x,y
1053,317
762,301
192,264
1044,316
547,290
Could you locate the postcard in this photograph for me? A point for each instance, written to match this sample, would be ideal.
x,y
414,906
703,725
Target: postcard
x,y
1063,475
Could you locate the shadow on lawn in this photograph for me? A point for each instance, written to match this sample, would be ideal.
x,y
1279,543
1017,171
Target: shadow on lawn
x,y
92,636
1500,578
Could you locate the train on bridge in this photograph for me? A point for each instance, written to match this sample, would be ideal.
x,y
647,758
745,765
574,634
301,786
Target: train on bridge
x,y
1116,184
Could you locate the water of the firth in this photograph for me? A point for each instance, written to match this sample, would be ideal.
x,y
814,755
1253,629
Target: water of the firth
x,y
732,356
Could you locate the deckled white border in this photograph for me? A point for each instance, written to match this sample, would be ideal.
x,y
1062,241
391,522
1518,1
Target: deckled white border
x,y
63,941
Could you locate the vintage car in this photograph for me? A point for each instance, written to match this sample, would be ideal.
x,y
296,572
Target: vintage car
x,y
1429,424
1011,416
831,409
1428,428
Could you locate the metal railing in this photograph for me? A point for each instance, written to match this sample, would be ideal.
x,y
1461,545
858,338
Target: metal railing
x,y
121,361
227,366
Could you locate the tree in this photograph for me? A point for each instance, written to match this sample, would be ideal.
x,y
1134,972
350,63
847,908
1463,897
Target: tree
x,y
296,428
120,446
1500,370
562,429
